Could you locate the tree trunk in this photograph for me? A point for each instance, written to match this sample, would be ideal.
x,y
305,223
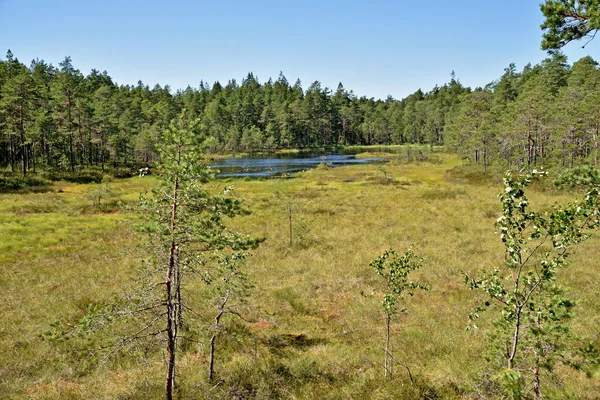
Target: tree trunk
x,y
485,160
529,139
90,147
71,154
222,310
23,146
537,394
12,153
211,360
596,145
386,361
80,138
171,321
290,221
537,390
33,157
42,150
171,286
102,146
515,341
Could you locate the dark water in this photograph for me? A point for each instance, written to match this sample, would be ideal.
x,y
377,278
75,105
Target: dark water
x,y
274,165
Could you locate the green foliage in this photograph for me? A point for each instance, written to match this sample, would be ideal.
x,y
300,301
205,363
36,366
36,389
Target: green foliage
x,y
323,165
228,277
185,225
532,332
513,383
415,154
101,191
544,115
201,214
13,183
568,20
394,268
83,176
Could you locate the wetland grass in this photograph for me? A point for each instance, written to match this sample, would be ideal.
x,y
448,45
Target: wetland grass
x,y
314,329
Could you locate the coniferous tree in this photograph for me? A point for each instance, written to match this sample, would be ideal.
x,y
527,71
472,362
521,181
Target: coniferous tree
x,y
546,114
186,225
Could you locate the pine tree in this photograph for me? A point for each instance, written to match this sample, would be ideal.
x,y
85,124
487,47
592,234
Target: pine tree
x,y
186,226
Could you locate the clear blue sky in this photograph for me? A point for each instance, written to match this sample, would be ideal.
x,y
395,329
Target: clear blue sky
x,y
374,47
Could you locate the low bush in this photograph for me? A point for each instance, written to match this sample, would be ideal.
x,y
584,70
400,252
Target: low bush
x,y
83,176
11,183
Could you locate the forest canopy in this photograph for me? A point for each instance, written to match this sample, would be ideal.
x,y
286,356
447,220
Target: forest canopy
x,y
58,119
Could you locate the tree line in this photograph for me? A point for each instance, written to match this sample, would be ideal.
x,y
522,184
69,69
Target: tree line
x,y
548,114
56,118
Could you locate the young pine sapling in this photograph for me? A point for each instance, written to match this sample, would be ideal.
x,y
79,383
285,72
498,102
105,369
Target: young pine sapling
x,y
185,225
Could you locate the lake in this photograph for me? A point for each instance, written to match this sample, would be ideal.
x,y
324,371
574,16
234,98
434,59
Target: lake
x,y
277,165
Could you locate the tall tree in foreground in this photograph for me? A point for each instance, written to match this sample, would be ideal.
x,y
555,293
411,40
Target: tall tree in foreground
x,y
186,225
531,332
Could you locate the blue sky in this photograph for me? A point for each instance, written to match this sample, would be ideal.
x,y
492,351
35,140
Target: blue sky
x,y
374,47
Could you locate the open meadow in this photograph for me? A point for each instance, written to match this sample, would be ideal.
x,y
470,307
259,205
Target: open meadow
x,y
314,327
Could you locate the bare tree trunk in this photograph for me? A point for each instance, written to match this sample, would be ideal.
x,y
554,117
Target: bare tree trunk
x,y
172,289
23,146
171,322
485,160
529,140
102,146
90,146
211,361
386,361
177,287
542,149
515,341
33,157
80,138
42,151
596,145
71,153
12,153
537,394
537,390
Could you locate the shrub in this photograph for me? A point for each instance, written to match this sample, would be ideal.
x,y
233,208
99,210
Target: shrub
x,y
11,183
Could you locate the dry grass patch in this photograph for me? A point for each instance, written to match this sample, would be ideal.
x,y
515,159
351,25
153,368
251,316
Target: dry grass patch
x,y
315,329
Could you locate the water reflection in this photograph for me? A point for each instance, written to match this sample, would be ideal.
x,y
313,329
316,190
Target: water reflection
x,y
283,164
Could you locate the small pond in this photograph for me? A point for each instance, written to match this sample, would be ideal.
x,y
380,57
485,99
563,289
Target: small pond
x,y
276,165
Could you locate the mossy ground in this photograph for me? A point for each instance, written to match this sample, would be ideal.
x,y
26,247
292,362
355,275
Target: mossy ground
x,y
315,330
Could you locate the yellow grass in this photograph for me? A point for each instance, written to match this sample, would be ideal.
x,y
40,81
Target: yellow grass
x,y
315,327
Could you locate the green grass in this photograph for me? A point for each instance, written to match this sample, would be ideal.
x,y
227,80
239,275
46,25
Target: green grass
x,y
314,330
